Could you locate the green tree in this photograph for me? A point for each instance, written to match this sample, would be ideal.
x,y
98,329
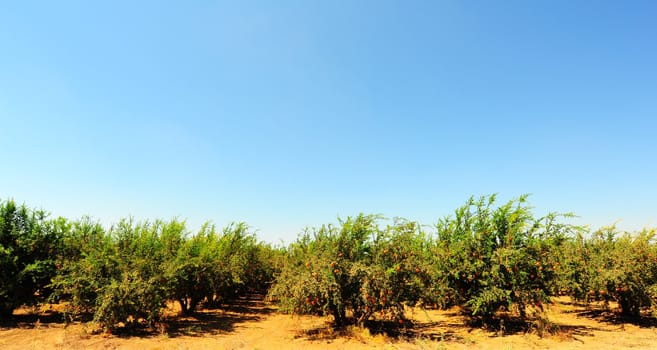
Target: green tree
x,y
117,276
491,258
29,246
355,269
612,265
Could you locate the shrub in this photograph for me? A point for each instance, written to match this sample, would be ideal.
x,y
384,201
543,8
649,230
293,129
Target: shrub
x,y
93,264
491,258
398,275
610,265
216,268
236,265
131,301
355,269
29,246
190,272
118,276
124,277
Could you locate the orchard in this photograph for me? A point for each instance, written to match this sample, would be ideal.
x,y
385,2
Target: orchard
x,y
492,261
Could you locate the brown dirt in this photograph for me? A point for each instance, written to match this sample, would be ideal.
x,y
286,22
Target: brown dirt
x,y
254,324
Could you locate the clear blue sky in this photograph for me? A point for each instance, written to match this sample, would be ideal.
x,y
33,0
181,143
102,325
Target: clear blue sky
x,y
291,113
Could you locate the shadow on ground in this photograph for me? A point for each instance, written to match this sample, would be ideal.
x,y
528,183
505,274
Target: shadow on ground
x,y
603,312
28,320
204,322
407,331
455,327
616,318
220,320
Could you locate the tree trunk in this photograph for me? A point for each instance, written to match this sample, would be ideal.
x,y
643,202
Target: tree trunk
x,y
183,305
628,308
339,316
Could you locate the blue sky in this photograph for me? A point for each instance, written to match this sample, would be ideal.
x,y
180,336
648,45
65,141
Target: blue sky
x,y
289,114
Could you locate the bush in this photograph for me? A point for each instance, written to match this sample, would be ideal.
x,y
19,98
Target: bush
x,y
216,268
398,275
191,271
125,276
93,264
29,247
487,259
131,301
491,258
610,265
117,277
355,269
236,264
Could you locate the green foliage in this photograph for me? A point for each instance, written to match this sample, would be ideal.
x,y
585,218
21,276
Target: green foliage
x,y
487,258
93,264
355,269
29,246
117,275
610,265
491,258
125,276
132,300
217,267
190,272
236,264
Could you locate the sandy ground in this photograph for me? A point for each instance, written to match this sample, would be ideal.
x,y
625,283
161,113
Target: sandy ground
x,y
253,324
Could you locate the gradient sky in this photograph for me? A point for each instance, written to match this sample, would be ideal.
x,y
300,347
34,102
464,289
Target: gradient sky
x,y
288,114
